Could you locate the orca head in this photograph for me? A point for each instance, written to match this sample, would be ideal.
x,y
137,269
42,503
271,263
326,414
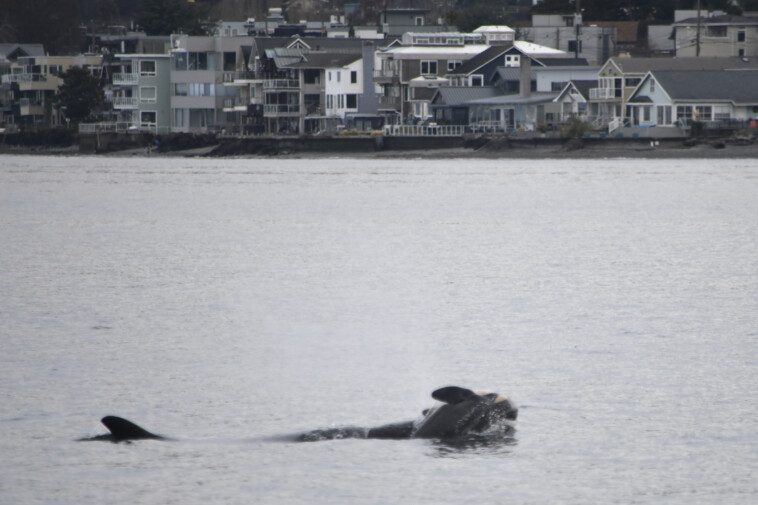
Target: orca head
x,y
464,411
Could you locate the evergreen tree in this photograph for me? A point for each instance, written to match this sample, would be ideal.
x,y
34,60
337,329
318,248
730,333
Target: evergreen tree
x,y
81,96
164,17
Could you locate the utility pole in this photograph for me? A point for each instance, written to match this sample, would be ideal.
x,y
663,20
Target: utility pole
x,y
577,18
697,33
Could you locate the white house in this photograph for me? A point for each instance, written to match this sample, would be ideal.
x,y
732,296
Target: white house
x,y
343,87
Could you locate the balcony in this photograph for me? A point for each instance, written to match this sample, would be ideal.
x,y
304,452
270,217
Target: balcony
x,y
389,102
125,102
125,79
272,110
386,75
235,104
603,94
19,78
240,78
281,84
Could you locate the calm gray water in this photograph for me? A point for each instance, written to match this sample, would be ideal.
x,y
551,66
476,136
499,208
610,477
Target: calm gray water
x,y
229,303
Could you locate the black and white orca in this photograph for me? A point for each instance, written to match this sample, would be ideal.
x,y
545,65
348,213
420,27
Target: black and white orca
x,y
463,412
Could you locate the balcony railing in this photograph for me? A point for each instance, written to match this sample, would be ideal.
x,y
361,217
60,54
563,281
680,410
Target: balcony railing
x,y
387,73
28,102
424,131
274,109
125,102
125,79
281,84
9,78
240,75
391,102
602,93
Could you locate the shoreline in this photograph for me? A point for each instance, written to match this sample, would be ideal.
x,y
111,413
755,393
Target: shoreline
x,y
580,150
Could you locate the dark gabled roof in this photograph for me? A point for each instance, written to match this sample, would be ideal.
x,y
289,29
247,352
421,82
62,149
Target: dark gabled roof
x,y
509,73
449,95
584,87
644,65
423,93
564,62
738,86
324,60
14,51
478,61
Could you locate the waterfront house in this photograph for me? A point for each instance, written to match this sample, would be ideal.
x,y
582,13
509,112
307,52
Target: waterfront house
x,y
397,66
574,101
673,99
619,77
38,79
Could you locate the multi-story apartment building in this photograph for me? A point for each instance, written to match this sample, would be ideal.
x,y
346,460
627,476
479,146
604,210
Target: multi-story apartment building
x,y
198,93
141,92
38,79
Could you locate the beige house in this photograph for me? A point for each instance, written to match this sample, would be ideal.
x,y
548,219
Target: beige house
x,y
720,36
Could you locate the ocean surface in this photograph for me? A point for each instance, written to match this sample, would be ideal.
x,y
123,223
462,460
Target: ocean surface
x,y
231,304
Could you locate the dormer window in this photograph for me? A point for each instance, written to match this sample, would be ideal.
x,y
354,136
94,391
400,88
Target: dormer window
x,y
419,21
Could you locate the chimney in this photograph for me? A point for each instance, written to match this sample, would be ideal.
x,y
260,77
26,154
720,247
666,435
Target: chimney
x,y
525,76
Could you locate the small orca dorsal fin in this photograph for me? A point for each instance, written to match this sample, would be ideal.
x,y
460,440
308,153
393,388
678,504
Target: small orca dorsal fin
x,y
453,394
122,429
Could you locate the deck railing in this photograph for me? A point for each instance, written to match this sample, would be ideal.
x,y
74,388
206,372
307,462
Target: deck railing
x,y
424,131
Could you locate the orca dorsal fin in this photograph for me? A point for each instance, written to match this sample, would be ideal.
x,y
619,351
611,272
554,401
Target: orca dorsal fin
x,y
453,394
122,429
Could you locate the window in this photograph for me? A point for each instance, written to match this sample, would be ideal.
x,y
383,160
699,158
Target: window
x,y
513,60
740,52
198,61
339,75
632,82
148,119
419,21
652,85
147,67
353,77
663,113
180,89
147,94
741,36
428,67
569,20
202,89
328,101
573,46
715,31
558,86
703,112
351,101
329,76
180,117
453,64
180,61
721,112
230,61
684,113
477,80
